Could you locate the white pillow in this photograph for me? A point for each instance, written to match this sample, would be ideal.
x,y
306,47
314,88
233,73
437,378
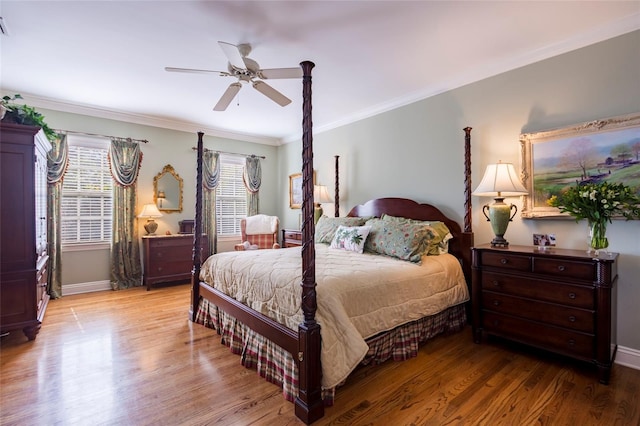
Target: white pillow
x,y
350,238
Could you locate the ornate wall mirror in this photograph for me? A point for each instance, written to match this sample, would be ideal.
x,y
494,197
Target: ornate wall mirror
x,y
167,190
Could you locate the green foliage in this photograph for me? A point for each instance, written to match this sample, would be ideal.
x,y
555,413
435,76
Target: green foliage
x,y
25,114
598,202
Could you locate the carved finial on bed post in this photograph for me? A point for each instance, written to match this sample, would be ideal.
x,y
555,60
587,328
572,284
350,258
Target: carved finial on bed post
x,y
197,233
336,203
467,179
309,406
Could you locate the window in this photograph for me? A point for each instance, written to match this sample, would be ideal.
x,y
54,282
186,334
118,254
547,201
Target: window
x,y
231,196
86,205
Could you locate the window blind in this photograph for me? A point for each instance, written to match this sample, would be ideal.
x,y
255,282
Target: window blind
x,y
86,205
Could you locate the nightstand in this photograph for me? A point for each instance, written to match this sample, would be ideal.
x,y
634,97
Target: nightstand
x,y
291,238
559,300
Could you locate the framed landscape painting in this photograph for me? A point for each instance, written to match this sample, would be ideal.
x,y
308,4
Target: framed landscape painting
x,y
595,151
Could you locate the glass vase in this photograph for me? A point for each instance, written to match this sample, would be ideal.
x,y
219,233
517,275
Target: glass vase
x,y
598,241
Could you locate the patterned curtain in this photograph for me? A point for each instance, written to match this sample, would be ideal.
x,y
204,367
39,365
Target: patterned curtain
x,y
210,180
252,177
57,162
125,159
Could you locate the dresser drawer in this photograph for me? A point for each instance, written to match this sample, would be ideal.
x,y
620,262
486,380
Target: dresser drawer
x,y
550,313
560,268
548,291
507,261
177,241
293,235
538,334
169,268
172,254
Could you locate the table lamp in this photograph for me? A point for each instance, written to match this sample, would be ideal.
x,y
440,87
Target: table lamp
x,y
499,181
150,211
320,195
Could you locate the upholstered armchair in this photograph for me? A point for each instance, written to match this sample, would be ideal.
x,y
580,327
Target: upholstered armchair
x,y
259,232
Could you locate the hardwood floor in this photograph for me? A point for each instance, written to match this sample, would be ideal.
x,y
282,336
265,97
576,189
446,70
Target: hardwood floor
x,y
132,357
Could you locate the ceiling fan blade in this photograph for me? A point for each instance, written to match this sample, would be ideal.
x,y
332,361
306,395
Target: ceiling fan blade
x,y
227,96
195,71
274,73
271,93
233,54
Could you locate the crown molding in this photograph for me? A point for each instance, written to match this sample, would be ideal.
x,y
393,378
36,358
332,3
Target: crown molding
x,y
145,120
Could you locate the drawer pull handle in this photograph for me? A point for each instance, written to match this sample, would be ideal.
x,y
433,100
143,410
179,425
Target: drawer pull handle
x,y
561,268
495,283
496,323
504,261
572,295
572,318
571,342
496,302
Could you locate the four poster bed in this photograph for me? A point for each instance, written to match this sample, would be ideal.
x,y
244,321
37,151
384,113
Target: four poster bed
x,y
300,328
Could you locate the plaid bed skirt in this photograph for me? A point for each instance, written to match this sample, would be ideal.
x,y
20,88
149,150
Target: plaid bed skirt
x,y
277,366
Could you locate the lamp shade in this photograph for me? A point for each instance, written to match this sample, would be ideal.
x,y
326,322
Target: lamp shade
x,y
321,194
150,211
500,180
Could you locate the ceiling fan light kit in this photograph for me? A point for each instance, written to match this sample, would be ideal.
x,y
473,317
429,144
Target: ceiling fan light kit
x,y
245,70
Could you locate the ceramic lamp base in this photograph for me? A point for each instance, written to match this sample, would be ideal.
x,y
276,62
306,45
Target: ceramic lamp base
x,y
317,213
151,226
500,214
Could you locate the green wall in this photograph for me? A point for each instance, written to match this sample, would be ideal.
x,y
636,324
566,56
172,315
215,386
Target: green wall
x,y
416,151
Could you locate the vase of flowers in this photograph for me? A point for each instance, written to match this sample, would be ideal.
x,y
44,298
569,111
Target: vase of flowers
x,y
598,236
598,203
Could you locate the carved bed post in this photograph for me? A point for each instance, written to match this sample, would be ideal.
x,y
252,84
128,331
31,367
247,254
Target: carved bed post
x,y
336,203
467,179
309,406
467,232
197,233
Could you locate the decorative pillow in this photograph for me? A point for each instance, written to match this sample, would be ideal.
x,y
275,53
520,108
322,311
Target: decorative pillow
x,y
327,226
350,238
440,243
404,240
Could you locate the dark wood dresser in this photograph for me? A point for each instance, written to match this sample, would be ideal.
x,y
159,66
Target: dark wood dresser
x,y
169,258
23,228
559,300
291,238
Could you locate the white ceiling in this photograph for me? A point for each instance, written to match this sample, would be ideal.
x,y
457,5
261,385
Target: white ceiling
x,y
107,58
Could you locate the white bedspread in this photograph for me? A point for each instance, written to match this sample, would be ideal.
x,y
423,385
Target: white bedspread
x,y
358,295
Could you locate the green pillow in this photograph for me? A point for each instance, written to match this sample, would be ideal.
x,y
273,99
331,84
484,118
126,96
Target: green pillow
x,y
402,239
440,243
327,226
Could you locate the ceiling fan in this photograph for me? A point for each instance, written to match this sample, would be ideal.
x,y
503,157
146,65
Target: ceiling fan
x,y
246,70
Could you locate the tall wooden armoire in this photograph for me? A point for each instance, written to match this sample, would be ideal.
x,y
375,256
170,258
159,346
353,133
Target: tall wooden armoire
x,y
23,228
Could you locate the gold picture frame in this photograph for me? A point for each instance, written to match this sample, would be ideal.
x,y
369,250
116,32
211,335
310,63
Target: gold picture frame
x,y
168,190
295,190
593,151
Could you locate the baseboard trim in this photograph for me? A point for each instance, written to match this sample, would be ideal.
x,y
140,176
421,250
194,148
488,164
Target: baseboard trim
x,y
69,289
628,357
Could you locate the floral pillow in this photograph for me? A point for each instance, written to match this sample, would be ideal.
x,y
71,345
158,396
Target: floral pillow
x,y
350,238
440,243
404,240
327,226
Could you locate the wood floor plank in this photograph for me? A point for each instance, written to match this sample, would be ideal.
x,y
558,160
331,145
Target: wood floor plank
x,y
132,357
